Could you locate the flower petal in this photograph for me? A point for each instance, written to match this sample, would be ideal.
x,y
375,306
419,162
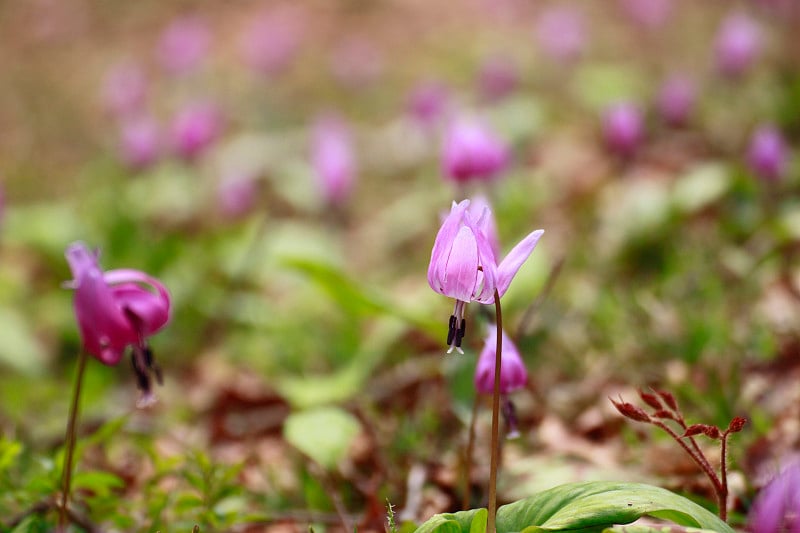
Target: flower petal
x,y
513,261
462,266
443,244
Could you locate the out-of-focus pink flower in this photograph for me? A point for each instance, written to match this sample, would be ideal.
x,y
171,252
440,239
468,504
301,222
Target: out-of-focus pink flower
x,y
195,128
650,14
472,151
676,100
428,103
463,265
781,8
498,78
184,44
737,45
140,142
768,153
561,34
124,90
623,128
333,158
237,193
356,63
513,375
271,40
777,507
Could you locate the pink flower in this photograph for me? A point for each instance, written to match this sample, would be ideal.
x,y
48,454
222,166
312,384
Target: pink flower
x,y
333,158
195,128
623,128
271,41
237,194
650,14
115,311
472,151
140,142
738,44
124,90
561,34
184,44
428,103
513,375
768,154
777,507
356,63
463,265
498,78
676,100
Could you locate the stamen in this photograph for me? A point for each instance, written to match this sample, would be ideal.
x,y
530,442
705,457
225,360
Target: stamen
x,y
457,328
451,331
510,416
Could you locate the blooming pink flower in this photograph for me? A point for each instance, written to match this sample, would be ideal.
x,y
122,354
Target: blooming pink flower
x,y
650,14
428,103
561,34
195,128
777,507
513,375
115,311
124,90
623,128
271,41
472,151
676,100
498,78
463,265
768,154
184,44
333,158
140,142
738,44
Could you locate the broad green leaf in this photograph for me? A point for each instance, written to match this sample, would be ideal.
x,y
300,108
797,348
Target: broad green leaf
x,y
9,451
700,187
99,482
637,528
324,434
472,521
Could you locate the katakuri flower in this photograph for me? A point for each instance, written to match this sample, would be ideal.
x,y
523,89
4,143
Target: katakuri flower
x,y
768,154
676,100
623,128
777,507
513,374
472,151
184,44
124,90
195,128
498,78
333,158
561,33
428,102
737,45
649,14
114,310
271,41
463,265
140,142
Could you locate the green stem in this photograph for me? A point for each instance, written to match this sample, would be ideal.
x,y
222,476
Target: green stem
x,y
468,454
69,440
495,417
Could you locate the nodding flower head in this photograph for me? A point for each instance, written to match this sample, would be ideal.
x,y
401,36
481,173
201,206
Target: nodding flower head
x,y
333,157
184,45
463,264
114,310
676,100
513,375
768,154
777,507
472,151
738,44
623,128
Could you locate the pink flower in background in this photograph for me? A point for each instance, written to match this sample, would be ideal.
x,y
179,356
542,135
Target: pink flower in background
x,y
650,14
676,100
623,128
777,506
513,374
237,194
768,153
140,142
472,151
271,40
333,158
184,45
463,265
737,45
124,90
498,78
195,128
561,34
428,103
356,63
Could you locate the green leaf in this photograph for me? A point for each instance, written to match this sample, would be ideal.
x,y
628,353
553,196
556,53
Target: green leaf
x,y
654,529
324,434
19,347
472,521
99,482
595,505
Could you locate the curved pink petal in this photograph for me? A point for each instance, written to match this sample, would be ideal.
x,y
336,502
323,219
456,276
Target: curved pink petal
x,y
442,245
513,261
462,266
484,292
513,374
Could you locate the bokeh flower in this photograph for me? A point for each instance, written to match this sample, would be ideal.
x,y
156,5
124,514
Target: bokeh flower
x,y
195,128
513,374
428,102
498,78
124,91
623,128
737,45
333,158
236,194
777,507
472,151
676,100
356,62
140,142
184,45
561,34
649,14
768,153
271,41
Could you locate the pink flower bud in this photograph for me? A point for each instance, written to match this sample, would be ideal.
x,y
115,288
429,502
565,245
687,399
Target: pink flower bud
x,y
737,45
777,506
649,14
333,158
428,103
472,151
195,128
768,153
498,78
676,100
513,375
237,194
140,142
271,41
124,90
184,44
561,34
623,128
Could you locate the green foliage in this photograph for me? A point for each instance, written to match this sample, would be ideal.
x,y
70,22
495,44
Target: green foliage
x,y
323,433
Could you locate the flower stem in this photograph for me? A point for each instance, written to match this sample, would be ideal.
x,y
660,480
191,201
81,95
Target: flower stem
x,y
69,441
495,418
468,455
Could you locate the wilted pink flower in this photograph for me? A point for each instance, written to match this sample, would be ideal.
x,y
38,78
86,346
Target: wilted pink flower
x,y
623,128
124,90
676,100
115,311
777,507
498,78
513,375
737,45
356,62
649,14
184,44
271,40
140,142
561,34
472,151
428,103
195,128
333,158
237,194
768,153
463,265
